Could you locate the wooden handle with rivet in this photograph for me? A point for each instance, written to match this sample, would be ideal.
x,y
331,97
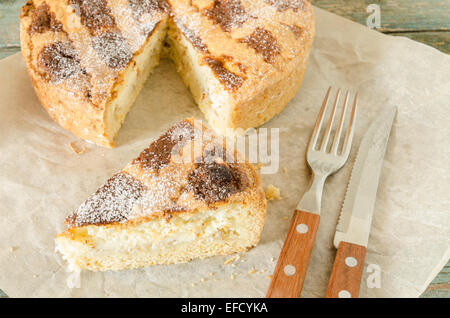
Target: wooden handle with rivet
x,y
347,270
290,272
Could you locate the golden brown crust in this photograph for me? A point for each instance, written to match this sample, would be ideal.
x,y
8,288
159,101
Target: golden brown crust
x,y
79,102
251,47
168,178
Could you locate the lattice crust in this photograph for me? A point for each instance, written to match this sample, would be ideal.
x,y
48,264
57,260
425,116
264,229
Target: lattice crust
x,y
250,46
176,201
173,176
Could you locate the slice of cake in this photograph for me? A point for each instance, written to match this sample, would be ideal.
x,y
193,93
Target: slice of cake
x,y
186,196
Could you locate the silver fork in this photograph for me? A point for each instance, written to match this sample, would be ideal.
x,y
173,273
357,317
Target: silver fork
x,y
324,159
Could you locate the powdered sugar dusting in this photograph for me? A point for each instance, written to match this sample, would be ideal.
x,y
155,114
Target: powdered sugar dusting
x,y
59,61
227,13
94,14
164,184
158,154
43,20
141,7
264,43
113,202
283,5
215,182
113,49
229,79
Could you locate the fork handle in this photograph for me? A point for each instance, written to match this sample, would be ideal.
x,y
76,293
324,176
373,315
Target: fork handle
x,y
290,272
347,270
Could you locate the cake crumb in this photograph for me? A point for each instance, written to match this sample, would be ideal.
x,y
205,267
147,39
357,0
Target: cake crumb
x,y
272,193
193,284
272,259
233,265
252,271
35,276
12,249
285,169
259,165
269,276
232,276
285,217
231,259
76,149
202,280
211,274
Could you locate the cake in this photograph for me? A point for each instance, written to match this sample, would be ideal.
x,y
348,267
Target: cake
x,y
186,196
243,60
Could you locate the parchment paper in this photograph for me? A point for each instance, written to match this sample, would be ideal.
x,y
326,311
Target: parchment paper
x,y
42,179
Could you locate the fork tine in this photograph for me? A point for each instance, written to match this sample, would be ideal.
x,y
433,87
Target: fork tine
x,y
351,128
338,134
326,135
319,120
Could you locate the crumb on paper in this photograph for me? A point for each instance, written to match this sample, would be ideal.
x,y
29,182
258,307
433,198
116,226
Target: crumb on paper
x,y
232,276
202,280
233,265
252,271
211,274
12,249
285,217
35,276
272,259
272,193
269,276
285,169
193,284
76,149
231,259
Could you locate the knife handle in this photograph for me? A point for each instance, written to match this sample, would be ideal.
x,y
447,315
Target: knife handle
x,y
290,272
347,271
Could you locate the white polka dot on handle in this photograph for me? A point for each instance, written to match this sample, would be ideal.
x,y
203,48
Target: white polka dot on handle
x,y
302,228
289,270
344,294
351,261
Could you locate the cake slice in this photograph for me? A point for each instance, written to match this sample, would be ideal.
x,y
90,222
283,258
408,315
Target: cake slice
x,y
186,196
242,60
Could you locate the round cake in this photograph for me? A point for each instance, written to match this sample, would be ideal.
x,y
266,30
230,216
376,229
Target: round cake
x,y
243,60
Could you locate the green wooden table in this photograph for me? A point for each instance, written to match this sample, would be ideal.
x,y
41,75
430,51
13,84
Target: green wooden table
x,y
421,20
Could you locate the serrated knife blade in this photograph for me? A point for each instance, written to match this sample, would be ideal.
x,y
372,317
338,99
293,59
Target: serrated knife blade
x,y
356,215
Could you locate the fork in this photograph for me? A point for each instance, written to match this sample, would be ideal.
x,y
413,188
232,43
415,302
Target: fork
x,y
324,159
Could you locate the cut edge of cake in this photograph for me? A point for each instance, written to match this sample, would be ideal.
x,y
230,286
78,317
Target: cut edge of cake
x,y
159,211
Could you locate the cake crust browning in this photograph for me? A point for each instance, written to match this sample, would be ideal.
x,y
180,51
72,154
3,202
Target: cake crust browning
x,y
251,48
162,183
167,202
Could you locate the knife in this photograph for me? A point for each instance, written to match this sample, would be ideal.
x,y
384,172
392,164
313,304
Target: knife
x,y
352,231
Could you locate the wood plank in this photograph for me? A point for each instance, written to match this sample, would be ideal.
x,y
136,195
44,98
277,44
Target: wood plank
x,y
438,40
7,51
399,15
440,286
9,23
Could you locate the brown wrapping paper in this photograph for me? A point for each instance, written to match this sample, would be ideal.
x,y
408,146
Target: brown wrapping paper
x,y
42,179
